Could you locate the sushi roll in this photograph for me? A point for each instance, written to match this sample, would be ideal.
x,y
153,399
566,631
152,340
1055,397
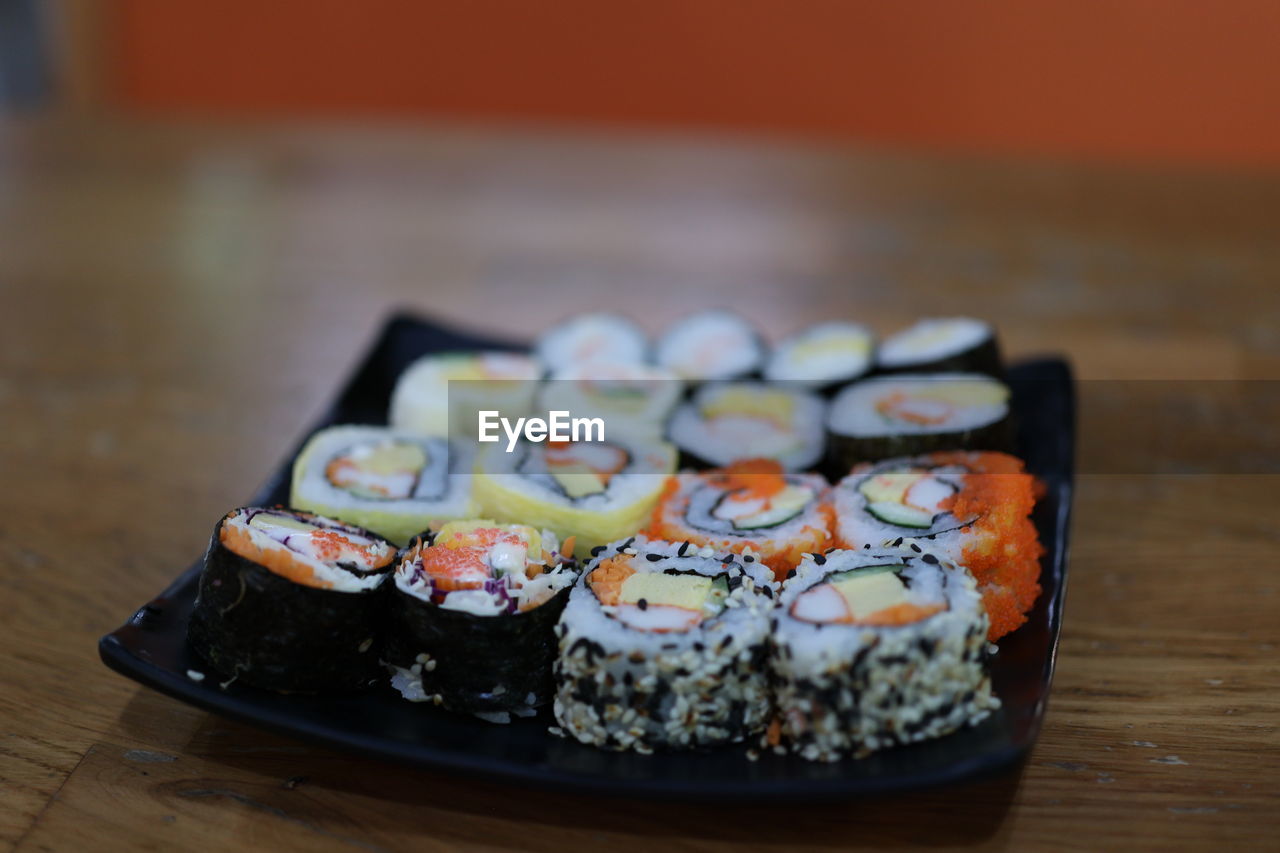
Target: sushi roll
x,y
472,618
596,491
943,345
442,392
876,648
888,416
632,399
392,483
971,507
290,601
712,345
822,357
752,507
663,646
592,339
726,422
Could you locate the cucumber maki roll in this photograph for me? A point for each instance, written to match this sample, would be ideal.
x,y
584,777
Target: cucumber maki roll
x,y
876,648
944,345
712,345
290,601
751,507
888,416
663,646
596,491
972,507
473,614
822,357
727,422
440,394
592,339
393,483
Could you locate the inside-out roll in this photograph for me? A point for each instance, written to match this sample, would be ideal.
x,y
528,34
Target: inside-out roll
x,y
663,645
876,648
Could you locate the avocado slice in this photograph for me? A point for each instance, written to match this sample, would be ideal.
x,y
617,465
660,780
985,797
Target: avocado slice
x,y
901,515
783,507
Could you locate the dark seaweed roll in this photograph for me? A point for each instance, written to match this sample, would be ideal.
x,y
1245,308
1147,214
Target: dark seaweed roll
x,y
289,601
712,345
472,619
663,645
874,649
822,357
941,345
902,415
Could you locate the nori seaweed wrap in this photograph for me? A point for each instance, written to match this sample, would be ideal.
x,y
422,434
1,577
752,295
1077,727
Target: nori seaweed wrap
x,y
472,618
904,415
952,344
291,601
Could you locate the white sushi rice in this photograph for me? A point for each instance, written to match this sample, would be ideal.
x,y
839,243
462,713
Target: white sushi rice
x,y
826,353
633,400
846,689
856,524
854,411
623,688
725,439
711,345
598,338
439,394
932,339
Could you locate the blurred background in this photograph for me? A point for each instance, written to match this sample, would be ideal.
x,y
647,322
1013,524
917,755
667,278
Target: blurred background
x,y
1128,80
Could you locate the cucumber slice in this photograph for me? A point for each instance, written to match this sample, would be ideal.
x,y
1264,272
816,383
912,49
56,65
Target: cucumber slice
x,y
900,515
864,570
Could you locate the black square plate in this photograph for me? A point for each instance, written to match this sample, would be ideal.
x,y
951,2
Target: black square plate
x,y
151,648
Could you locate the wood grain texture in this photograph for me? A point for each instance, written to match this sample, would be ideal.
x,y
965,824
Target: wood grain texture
x,y
178,302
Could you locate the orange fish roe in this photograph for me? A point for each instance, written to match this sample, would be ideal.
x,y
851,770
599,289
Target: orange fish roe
x,y
756,478
780,555
279,561
1002,549
608,577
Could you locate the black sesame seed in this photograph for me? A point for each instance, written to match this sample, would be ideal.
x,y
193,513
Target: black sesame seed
x,y
653,558
930,559
642,604
627,544
768,593
727,559
820,559
791,574
915,547
897,542
596,551
748,559
684,547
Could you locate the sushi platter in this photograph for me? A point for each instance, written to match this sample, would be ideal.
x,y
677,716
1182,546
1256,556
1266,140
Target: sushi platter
x,y
829,567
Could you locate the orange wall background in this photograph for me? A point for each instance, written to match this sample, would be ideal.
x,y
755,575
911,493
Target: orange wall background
x,y
1149,80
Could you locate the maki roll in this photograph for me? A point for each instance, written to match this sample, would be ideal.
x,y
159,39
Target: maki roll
x,y
971,507
632,399
888,416
664,645
472,617
289,601
876,648
822,357
752,507
712,345
442,392
726,422
390,482
596,491
952,344
592,339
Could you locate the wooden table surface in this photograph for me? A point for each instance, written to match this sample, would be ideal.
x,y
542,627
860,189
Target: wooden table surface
x,y
178,302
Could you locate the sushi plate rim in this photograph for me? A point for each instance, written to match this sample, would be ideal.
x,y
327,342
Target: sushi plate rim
x,y
118,656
